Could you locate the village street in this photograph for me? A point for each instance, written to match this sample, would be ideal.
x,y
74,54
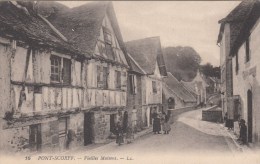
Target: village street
x,y
189,135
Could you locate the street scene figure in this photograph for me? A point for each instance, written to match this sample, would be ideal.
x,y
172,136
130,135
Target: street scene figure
x,y
119,134
166,126
243,132
156,123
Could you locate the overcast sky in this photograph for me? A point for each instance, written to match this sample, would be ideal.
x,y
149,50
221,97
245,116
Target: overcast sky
x,y
178,23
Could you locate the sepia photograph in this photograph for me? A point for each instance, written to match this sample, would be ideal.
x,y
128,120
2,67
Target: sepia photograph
x,y
130,82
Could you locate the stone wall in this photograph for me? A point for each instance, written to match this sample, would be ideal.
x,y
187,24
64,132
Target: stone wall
x,y
50,136
101,127
16,140
212,114
76,125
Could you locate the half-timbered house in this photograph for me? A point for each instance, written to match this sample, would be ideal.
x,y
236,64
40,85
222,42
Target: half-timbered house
x,y
41,84
93,28
148,54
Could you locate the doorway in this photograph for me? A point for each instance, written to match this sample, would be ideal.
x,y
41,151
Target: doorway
x,y
250,114
171,103
112,123
35,138
88,131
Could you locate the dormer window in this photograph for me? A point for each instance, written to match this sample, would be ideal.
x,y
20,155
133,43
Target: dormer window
x,y
107,36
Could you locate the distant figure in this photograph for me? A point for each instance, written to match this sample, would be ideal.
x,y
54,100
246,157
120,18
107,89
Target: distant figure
x,y
156,124
211,103
125,121
119,134
166,123
225,119
243,131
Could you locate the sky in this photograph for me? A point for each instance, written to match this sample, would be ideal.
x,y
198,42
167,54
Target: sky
x,y
178,23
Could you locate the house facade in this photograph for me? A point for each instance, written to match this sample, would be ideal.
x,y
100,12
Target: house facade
x,y
198,86
64,87
147,53
176,94
134,95
41,83
244,54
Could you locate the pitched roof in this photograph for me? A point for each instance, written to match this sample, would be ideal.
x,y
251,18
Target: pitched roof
x,y
147,52
241,19
176,87
190,87
134,66
81,25
20,20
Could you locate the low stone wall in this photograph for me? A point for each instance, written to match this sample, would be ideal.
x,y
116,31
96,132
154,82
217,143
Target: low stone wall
x,y
212,114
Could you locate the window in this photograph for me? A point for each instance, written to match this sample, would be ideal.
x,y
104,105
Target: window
x,y
108,43
107,36
237,64
66,73
124,81
105,77
247,47
132,80
118,79
60,70
55,69
102,77
154,86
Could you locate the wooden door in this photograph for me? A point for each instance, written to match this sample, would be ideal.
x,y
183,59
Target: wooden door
x,y
88,131
63,131
35,137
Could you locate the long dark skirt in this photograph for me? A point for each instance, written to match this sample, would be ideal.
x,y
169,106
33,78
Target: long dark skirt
x,y
156,125
119,139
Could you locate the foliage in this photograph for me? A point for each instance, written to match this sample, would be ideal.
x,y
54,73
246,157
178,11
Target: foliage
x,y
182,62
208,70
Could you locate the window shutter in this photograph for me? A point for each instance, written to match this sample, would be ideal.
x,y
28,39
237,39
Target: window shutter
x,y
135,84
66,71
105,77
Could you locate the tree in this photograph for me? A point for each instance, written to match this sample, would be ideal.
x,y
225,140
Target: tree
x,y
182,62
208,70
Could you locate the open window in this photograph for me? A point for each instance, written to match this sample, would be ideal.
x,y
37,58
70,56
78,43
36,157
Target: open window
x,y
60,70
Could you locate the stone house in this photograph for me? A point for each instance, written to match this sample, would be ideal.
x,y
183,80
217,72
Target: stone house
x,y
244,29
134,94
176,94
198,86
147,53
65,80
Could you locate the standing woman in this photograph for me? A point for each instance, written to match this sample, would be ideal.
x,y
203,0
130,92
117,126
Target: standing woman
x,y
156,124
119,134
